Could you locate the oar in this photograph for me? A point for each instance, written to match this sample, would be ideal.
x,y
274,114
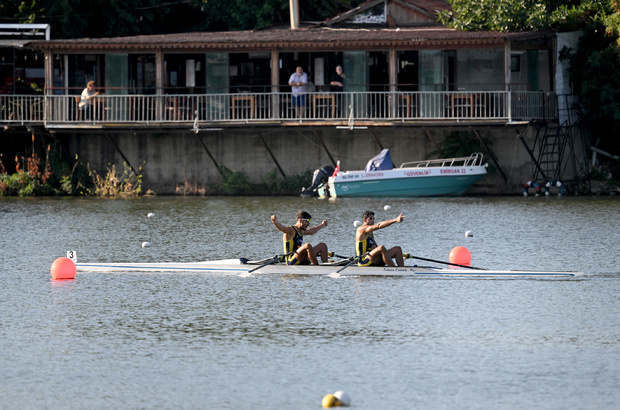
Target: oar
x,y
332,254
337,274
445,263
272,261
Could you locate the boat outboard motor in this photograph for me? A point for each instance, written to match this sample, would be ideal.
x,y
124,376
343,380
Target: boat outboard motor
x,y
320,176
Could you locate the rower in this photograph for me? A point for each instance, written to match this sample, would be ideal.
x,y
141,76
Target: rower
x,y
378,255
302,254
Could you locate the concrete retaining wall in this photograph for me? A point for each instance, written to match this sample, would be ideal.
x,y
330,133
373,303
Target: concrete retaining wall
x,y
173,159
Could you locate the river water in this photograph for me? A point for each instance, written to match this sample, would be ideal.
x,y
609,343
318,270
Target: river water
x,y
202,341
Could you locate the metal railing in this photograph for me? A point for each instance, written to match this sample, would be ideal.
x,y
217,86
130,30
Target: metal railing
x,y
473,160
257,107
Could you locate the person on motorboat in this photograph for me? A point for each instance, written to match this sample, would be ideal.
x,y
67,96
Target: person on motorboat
x,y
299,253
377,255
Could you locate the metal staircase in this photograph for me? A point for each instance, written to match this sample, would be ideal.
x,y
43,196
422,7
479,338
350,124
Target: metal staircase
x,y
557,163
552,147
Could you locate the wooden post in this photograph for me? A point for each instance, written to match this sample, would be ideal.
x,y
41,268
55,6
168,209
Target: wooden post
x,y
275,84
160,75
393,76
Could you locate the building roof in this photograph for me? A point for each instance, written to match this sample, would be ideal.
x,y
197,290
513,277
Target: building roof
x,y
310,38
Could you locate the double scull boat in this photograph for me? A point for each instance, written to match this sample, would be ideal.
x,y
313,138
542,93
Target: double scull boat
x,y
242,267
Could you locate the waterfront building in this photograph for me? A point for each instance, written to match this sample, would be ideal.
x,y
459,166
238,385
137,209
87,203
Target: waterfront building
x,y
403,70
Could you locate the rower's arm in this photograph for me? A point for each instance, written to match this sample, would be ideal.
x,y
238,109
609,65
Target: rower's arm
x,y
385,224
284,229
312,231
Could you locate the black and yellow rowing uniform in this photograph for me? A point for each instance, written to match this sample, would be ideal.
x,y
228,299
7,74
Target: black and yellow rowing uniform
x,y
291,246
366,245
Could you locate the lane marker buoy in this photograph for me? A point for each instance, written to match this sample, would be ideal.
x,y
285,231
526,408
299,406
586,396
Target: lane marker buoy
x,y
357,223
460,255
469,234
343,397
387,207
339,398
150,215
63,268
145,244
330,401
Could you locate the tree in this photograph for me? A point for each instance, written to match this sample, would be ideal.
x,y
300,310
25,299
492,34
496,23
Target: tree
x,y
595,72
595,65
116,18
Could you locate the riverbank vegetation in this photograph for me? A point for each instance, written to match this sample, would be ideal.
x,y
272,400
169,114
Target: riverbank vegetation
x,y
236,183
56,175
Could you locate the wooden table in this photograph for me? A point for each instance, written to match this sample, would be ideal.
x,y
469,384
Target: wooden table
x,y
241,99
323,98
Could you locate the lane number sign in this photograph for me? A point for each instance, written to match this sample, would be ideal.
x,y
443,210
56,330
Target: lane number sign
x,y
72,255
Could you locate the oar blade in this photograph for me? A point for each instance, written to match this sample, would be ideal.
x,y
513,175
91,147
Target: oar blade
x,y
334,275
244,275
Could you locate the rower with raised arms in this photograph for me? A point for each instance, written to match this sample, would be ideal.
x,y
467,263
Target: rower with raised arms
x,y
378,255
303,254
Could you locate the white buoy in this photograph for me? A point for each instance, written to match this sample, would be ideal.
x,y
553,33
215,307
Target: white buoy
x,y
343,397
469,234
145,244
387,207
357,223
150,215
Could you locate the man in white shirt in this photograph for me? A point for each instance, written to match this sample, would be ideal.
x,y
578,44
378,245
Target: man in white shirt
x,y
85,100
298,82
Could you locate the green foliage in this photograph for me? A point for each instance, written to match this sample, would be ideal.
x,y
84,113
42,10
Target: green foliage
x,y
518,15
103,18
75,180
505,15
292,184
238,183
234,182
595,73
253,14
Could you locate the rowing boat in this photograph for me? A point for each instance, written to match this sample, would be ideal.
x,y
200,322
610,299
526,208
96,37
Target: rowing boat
x,y
244,268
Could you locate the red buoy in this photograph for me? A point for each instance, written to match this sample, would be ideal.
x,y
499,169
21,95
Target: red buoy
x,y
460,255
63,268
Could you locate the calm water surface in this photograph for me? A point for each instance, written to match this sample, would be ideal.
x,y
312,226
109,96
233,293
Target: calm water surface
x,y
202,341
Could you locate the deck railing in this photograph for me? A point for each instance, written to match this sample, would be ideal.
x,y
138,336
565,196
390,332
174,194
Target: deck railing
x,y
261,107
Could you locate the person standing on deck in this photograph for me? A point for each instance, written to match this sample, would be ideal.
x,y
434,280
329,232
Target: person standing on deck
x,y
298,82
337,82
378,255
303,254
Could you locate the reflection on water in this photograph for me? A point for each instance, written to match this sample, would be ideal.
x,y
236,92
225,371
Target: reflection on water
x,y
212,341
